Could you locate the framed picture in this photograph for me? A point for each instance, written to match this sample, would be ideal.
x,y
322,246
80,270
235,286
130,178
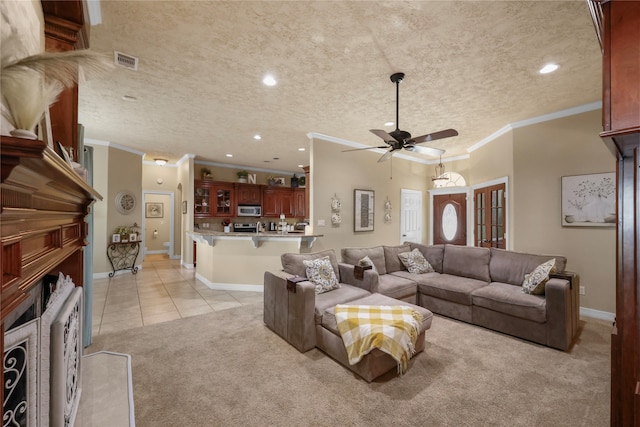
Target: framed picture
x,y
589,200
115,238
363,210
133,237
279,181
63,153
184,207
154,210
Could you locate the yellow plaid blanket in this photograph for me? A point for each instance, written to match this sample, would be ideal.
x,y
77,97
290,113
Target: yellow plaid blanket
x,y
392,329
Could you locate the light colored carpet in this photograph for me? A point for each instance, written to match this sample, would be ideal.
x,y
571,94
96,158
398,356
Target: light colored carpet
x,y
228,369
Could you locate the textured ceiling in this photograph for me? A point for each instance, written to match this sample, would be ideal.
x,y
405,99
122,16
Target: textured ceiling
x,y
471,66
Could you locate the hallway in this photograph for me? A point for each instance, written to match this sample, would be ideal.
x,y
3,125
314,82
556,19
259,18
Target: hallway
x,y
161,291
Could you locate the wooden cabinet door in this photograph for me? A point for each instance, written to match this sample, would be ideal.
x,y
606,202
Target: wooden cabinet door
x,y
270,203
222,196
248,194
287,203
299,196
201,199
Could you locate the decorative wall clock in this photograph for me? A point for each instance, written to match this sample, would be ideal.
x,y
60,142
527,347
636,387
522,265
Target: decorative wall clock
x,y
125,202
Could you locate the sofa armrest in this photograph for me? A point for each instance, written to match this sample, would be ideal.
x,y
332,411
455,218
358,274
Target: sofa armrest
x,y
290,314
560,313
369,281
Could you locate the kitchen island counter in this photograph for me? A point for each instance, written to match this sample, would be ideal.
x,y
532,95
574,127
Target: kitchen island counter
x,y
238,260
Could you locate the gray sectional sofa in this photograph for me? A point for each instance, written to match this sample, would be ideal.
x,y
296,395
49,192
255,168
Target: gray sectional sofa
x,y
481,286
305,319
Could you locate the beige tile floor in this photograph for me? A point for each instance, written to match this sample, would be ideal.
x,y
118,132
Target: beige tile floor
x,y
161,291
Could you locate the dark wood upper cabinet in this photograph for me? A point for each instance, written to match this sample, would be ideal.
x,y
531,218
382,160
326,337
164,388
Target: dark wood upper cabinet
x,y
248,194
621,133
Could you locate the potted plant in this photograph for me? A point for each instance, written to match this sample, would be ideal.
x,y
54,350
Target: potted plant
x,y
206,173
271,180
302,181
242,175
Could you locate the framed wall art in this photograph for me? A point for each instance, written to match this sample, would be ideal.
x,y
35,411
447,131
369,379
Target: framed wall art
x,y
589,200
363,210
154,210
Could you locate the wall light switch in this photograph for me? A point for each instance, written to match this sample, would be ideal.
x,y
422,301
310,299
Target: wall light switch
x,y
582,290
321,223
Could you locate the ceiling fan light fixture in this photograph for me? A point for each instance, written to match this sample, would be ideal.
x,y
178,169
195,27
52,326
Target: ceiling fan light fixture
x,y
160,162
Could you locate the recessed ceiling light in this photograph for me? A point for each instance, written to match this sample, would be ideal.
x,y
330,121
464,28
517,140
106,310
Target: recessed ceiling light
x,y
129,98
300,166
548,68
389,124
229,155
276,158
302,149
269,80
257,137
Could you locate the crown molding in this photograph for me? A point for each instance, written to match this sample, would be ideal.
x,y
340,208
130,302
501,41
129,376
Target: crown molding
x,y
93,142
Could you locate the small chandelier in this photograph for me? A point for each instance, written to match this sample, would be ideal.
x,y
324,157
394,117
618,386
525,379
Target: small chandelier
x,y
439,173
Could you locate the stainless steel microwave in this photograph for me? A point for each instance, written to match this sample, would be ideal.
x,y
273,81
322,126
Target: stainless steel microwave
x,y
250,210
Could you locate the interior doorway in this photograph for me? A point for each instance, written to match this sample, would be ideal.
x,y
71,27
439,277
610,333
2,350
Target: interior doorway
x,y
410,216
158,223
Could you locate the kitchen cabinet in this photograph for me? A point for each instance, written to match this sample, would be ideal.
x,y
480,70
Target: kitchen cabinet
x,y
202,199
300,202
213,199
277,201
248,194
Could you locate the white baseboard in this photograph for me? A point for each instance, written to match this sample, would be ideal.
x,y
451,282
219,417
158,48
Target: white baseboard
x,y
597,314
230,286
185,265
175,257
105,275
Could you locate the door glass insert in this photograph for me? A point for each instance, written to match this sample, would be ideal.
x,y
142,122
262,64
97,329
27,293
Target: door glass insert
x,y
449,222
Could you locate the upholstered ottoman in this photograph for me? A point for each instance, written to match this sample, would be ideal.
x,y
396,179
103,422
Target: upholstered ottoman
x,y
376,362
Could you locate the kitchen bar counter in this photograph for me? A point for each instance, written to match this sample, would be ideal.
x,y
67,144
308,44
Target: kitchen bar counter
x,y
237,260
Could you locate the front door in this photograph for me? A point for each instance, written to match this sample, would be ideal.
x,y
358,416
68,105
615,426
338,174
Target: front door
x,y
410,216
450,219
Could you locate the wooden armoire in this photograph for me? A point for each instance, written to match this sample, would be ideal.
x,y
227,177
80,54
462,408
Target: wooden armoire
x,y
619,29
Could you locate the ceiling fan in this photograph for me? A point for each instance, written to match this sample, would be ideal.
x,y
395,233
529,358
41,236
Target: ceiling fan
x,y
400,139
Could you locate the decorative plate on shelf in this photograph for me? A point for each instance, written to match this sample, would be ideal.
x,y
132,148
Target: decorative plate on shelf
x,y
125,202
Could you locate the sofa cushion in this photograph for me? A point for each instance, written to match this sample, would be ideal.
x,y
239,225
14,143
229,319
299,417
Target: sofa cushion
x,y
432,253
391,258
320,272
467,261
415,262
450,288
329,318
534,282
396,287
510,267
376,253
366,262
342,295
509,299
292,262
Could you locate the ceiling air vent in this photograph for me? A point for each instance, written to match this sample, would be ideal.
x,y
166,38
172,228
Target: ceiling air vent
x,y
126,61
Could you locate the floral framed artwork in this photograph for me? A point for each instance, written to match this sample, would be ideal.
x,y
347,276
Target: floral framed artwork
x,y
154,210
589,200
363,210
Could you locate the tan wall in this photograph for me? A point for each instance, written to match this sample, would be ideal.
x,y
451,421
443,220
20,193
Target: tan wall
x,y
114,170
185,176
336,173
168,177
543,153
101,234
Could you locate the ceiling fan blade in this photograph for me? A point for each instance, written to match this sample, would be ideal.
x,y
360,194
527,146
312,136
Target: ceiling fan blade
x,y
447,133
367,148
429,151
386,156
382,134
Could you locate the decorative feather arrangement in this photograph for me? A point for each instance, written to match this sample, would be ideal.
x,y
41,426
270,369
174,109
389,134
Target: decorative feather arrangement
x,y
31,84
